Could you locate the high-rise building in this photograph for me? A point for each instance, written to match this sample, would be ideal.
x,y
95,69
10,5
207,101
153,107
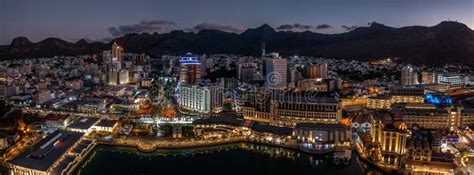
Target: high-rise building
x,y
408,76
276,70
123,76
201,97
246,72
318,71
113,60
190,69
112,78
117,52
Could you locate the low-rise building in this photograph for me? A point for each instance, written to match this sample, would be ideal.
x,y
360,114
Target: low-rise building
x,y
83,124
290,109
91,105
105,125
49,156
323,136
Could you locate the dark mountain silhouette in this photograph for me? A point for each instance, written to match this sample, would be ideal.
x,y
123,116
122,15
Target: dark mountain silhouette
x,y
447,42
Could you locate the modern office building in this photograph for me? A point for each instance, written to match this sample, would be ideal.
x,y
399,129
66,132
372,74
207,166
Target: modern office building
x,y
276,70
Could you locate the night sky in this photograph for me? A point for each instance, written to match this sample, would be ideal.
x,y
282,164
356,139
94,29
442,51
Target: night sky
x,y
100,19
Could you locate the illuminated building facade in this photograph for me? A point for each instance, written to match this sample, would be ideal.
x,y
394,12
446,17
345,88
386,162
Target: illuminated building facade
x,y
384,144
317,71
450,78
438,98
114,73
436,117
55,154
408,76
323,136
401,94
312,85
201,98
422,158
292,109
189,70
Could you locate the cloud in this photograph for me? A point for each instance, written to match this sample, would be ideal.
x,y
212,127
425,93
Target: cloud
x,y
143,26
349,28
302,27
323,26
210,26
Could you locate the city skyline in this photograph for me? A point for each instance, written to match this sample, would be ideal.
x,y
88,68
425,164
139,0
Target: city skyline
x,y
272,87
104,20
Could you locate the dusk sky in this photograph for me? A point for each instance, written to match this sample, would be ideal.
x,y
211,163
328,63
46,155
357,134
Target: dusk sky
x,y
98,19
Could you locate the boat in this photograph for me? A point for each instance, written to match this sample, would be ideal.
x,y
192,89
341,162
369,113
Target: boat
x,y
342,157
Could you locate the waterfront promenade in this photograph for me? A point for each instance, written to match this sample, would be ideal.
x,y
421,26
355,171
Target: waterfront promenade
x,y
145,144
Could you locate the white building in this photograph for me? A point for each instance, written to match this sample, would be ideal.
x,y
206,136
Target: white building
x,y
201,98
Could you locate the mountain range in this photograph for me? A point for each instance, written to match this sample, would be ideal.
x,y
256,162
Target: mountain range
x,y
448,42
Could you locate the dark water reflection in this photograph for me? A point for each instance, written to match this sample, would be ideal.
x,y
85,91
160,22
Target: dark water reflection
x,y
242,158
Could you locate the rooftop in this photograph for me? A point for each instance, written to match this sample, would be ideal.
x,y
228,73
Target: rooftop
x,y
83,123
321,126
46,152
106,123
220,120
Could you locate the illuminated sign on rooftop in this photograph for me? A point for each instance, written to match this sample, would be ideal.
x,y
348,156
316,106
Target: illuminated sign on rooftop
x,y
438,99
189,60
